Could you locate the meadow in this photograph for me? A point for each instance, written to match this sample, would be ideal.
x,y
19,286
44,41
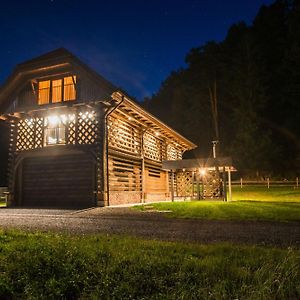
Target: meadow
x,y
60,266
45,265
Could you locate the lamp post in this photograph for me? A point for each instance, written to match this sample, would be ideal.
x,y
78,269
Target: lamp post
x,y
214,146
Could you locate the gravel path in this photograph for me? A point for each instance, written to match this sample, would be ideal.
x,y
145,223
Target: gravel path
x,y
152,225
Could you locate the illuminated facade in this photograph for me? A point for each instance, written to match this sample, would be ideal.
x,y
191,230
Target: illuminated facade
x,y
78,141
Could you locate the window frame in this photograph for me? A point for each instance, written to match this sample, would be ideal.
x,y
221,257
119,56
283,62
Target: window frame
x,y
59,126
51,79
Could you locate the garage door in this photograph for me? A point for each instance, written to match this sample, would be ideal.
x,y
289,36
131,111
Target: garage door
x,y
58,181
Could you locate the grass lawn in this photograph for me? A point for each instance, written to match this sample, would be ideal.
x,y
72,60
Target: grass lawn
x,y
52,266
262,193
251,203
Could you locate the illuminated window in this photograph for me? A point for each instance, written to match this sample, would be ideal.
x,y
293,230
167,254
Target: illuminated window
x,y
69,88
58,90
55,130
44,92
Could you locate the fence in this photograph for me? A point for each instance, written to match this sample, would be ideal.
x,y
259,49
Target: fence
x,y
267,182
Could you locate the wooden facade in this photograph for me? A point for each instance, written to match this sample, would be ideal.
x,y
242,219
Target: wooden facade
x,y
76,140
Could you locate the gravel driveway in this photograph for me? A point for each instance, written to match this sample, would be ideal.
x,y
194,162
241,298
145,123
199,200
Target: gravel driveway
x,y
151,225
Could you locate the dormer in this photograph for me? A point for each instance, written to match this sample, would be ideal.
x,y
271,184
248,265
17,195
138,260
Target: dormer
x,y
56,90
55,79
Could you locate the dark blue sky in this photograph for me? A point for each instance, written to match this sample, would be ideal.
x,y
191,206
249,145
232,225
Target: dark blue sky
x,y
134,44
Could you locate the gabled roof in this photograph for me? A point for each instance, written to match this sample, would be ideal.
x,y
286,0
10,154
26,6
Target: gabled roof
x,y
56,59
135,110
60,52
60,58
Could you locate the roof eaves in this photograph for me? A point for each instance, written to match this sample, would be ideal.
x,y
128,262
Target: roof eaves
x,y
189,144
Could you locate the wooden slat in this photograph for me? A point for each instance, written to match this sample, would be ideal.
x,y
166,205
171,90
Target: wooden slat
x,y
124,175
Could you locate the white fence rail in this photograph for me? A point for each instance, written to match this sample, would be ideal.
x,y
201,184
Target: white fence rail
x,y
268,182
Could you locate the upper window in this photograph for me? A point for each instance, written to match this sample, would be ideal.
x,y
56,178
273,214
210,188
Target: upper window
x,y
58,90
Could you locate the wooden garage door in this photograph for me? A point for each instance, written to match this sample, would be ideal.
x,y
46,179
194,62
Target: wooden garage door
x,y
58,181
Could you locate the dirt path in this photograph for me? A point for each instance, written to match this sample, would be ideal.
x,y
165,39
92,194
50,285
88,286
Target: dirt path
x,y
152,225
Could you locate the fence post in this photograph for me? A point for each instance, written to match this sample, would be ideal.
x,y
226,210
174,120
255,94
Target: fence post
x,y
297,182
241,182
268,182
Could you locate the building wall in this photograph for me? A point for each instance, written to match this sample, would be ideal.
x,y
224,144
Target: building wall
x,y
135,162
127,151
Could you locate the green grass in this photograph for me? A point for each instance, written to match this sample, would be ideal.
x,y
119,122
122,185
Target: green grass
x,y
236,210
55,266
262,193
251,203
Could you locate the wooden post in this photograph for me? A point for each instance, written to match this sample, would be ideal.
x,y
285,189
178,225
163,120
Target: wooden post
x,y
11,163
224,185
193,183
172,185
202,187
229,185
268,182
198,186
103,191
297,182
143,178
241,182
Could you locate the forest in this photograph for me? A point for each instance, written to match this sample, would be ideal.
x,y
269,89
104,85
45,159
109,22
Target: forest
x,y
243,91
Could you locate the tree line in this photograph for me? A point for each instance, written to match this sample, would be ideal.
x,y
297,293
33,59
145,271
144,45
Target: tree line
x,y
243,91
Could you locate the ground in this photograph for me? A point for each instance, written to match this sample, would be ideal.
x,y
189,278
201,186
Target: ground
x,y
153,225
185,250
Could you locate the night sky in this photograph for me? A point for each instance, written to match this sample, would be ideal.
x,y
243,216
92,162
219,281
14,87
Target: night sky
x,y
134,44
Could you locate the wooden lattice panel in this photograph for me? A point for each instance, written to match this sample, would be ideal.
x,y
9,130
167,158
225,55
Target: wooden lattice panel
x,y
184,182
179,154
172,179
173,153
152,147
87,127
123,136
71,129
124,175
39,132
212,185
26,135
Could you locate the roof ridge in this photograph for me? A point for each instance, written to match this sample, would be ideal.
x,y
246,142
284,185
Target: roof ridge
x,y
61,52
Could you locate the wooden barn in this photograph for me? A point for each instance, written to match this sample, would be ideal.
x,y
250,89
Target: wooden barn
x,y
78,141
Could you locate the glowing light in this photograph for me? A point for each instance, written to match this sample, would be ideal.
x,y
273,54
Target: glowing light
x,y
157,133
202,172
51,140
53,120
29,122
129,118
72,117
64,119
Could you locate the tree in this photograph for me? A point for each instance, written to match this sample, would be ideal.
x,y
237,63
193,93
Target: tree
x,y
252,78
